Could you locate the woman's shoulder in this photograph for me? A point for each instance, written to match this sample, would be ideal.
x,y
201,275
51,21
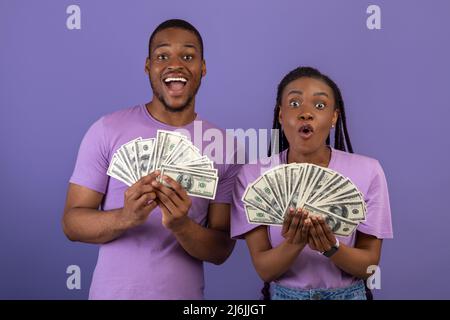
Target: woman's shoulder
x,y
355,163
255,168
356,158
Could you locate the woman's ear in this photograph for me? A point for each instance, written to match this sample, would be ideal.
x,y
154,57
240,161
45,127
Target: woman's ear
x,y
335,117
279,115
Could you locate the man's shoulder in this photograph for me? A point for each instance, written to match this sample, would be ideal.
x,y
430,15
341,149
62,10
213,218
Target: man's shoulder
x,y
121,116
206,124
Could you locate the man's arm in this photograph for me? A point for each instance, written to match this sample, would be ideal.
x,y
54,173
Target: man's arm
x,y
83,221
212,244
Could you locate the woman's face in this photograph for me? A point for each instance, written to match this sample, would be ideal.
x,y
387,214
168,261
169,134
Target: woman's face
x,y
307,113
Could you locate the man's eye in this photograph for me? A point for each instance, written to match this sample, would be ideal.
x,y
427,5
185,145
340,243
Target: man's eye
x,y
188,57
294,103
161,57
320,105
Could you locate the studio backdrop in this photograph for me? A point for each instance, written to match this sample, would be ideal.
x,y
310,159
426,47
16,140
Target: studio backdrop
x,y
64,64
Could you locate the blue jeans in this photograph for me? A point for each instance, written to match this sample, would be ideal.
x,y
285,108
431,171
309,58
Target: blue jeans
x,y
356,291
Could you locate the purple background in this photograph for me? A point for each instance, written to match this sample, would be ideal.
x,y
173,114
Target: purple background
x,y
55,82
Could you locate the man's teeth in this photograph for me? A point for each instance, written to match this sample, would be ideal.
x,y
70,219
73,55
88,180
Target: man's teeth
x,y
167,80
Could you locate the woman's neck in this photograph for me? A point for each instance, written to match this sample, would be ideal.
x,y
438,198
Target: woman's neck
x,y
320,157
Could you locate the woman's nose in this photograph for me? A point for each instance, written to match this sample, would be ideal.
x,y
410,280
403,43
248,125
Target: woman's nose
x,y
305,116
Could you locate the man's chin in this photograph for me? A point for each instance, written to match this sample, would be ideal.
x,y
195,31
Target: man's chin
x,y
176,107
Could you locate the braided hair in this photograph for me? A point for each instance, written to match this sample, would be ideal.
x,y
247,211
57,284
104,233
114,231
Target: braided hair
x,y
341,137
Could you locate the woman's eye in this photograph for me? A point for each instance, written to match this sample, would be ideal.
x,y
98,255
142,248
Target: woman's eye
x,y
161,57
188,57
320,105
294,103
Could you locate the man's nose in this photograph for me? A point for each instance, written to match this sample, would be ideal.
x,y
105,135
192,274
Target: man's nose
x,y
175,64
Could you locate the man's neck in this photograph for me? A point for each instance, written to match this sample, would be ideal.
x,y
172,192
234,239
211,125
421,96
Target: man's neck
x,y
175,119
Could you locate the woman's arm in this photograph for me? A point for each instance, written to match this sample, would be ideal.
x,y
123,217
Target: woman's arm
x,y
271,263
355,261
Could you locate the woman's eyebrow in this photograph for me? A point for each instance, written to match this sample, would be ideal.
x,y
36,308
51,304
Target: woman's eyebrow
x,y
321,94
295,91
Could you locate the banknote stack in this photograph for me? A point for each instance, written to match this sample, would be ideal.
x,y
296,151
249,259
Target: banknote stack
x,y
174,155
318,190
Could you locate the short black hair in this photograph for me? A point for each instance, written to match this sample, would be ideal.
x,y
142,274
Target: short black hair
x,y
179,24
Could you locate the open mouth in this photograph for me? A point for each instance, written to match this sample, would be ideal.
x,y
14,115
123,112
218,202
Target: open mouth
x,y
175,85
306,131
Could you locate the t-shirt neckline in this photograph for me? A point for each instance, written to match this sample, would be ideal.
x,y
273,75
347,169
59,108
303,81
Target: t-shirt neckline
x,y
330,164
165,125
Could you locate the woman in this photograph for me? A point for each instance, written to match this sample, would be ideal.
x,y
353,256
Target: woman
x,y
303,259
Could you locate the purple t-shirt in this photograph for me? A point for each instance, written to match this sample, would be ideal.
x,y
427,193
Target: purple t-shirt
x,y
310,269
146,262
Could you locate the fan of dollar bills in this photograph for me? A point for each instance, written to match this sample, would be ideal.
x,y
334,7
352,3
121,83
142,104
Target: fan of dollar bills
x,y
318,190
174,155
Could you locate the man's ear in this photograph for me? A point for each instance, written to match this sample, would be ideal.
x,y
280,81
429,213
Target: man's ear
x,y
203,68
147,66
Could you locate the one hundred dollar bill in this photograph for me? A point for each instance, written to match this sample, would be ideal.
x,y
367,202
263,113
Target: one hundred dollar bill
x,y
195,184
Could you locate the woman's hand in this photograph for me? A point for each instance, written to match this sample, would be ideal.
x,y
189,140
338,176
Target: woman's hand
x,y
296,227
321,238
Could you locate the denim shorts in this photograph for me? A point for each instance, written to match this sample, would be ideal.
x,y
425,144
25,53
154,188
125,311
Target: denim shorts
x,y
356,291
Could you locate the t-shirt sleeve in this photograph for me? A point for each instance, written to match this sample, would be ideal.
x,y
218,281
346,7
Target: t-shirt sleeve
x,y
239,222
230,168
225,185
378,216
92,161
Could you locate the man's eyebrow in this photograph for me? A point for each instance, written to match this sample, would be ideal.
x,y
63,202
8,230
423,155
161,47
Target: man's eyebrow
x,y
190,45
165,44
321,94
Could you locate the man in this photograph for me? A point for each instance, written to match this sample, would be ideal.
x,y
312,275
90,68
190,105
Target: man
x,y
153,238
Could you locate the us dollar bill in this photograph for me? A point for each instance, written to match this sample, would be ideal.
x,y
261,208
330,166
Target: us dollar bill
x,y
252,198
258,216
144,149
338,225
203,186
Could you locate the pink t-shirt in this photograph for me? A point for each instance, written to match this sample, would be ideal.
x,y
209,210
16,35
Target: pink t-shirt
x,y
310,269
146,262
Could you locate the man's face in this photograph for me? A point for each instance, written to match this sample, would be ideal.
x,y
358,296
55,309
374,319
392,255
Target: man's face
x,y
175,67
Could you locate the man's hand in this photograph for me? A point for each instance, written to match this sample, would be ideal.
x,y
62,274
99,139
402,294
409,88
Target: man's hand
x,y
139,201
296,227
174,203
